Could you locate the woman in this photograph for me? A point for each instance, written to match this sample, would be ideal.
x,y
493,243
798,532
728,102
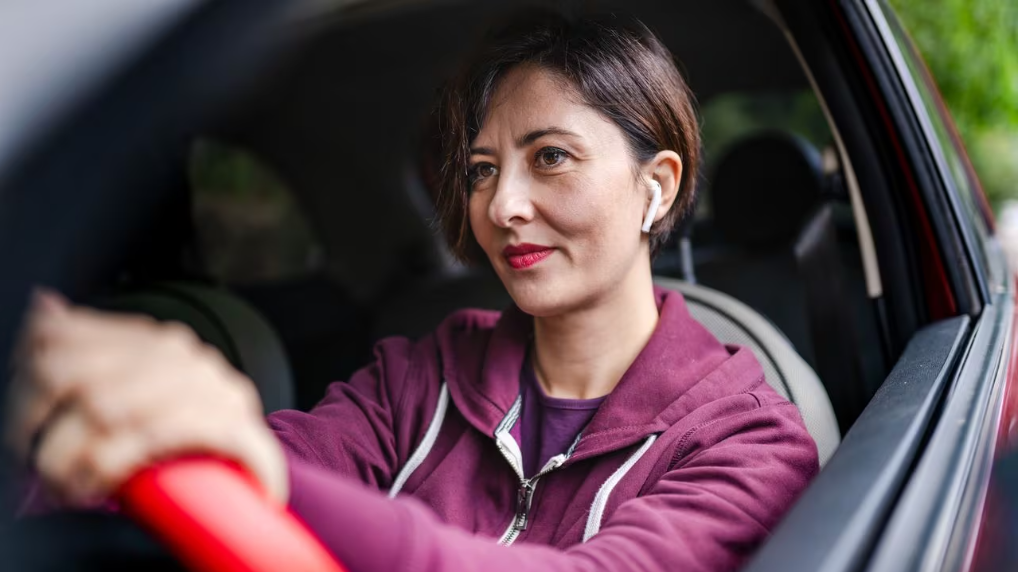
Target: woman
x,y
595,424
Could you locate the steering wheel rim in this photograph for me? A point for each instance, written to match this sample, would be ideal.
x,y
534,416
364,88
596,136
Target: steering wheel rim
x,y
213,516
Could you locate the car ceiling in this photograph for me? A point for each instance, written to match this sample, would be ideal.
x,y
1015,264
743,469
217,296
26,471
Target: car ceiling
x,y
342,120
53,57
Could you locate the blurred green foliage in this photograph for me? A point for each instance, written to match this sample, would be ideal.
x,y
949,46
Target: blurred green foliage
x,y
970,47
219,169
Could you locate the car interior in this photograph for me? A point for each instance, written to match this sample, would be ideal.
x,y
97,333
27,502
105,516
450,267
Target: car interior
x,y
301,228
286,215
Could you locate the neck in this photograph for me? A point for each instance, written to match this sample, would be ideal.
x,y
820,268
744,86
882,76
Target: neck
x,y
582,354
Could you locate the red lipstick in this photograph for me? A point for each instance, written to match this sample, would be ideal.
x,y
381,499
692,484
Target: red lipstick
x,y
521,256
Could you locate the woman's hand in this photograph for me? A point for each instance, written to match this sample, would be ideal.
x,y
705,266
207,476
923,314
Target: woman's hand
x,y
98,396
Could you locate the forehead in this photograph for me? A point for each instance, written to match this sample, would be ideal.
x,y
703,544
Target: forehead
x,y
529,98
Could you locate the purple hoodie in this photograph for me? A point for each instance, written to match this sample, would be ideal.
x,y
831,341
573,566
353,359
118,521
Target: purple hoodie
x,y
687,464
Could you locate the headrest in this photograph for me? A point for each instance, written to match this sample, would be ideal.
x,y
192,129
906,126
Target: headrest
x,y
226,322
764,187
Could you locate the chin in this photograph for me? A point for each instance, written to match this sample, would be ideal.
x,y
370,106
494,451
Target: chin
x,y
541,299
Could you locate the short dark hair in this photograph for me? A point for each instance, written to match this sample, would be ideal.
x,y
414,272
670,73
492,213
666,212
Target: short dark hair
x,y
617,66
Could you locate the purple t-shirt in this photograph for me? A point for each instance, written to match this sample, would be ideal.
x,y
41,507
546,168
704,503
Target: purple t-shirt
x,y
549,425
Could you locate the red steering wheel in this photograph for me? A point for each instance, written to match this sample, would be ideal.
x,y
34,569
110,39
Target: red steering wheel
x,y
214,517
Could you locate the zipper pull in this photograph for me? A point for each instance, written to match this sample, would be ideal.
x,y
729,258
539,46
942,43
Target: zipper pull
x,y
524,496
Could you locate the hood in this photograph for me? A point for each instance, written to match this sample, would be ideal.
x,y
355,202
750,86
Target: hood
x,y
681,367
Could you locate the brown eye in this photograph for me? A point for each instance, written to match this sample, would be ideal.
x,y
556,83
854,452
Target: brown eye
x,y
481,171
550,157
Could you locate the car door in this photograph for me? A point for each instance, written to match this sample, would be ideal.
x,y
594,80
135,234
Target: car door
x,y
907,488
937,522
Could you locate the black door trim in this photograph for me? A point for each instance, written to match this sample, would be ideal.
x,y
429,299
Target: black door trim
x,y
836,523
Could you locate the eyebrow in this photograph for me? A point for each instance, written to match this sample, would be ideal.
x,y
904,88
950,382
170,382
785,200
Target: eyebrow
x,y
528,139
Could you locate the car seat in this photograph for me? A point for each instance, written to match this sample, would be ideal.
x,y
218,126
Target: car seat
x,y
777,251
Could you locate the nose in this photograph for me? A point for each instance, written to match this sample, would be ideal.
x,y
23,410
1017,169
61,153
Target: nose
x,y
512,202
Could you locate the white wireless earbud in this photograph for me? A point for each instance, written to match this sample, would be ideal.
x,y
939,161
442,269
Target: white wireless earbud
x,y
656,192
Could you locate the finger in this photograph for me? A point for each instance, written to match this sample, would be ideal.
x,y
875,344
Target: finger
x,y
49,300
84,465
107,464
63,368
31,408
44,306
22,413
53,379
61,447
86,469
167,426
20,392
46,366
42,302
45,312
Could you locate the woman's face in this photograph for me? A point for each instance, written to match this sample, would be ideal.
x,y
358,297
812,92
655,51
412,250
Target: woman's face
x,y
555,202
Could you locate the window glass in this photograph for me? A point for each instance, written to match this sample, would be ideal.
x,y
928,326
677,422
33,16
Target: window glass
x,y
949,143
249,228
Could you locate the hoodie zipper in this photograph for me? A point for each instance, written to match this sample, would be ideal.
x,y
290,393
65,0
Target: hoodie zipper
x,y
525,495
511,451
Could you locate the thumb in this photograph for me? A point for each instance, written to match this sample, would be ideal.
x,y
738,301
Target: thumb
x,y
48,301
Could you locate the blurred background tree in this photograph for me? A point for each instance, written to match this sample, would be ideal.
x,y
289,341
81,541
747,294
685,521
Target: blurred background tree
x,y
970,47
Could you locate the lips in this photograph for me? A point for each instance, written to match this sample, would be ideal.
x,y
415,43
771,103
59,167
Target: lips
x,y
521,256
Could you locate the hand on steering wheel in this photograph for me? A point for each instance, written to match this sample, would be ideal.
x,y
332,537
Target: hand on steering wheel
x,y
97,396
101,401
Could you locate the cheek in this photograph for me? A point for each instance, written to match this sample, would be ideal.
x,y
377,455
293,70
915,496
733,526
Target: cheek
x,y
593,211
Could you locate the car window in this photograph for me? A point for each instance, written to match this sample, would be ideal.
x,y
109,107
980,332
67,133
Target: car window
x,y
248,226
949,145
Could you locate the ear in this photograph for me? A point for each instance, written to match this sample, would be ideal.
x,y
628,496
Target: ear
x,y
666,168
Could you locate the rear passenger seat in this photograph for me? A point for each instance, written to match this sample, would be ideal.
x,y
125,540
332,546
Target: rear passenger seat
x,y
778,252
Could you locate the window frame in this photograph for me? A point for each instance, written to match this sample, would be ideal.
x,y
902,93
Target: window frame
x,y
935,131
